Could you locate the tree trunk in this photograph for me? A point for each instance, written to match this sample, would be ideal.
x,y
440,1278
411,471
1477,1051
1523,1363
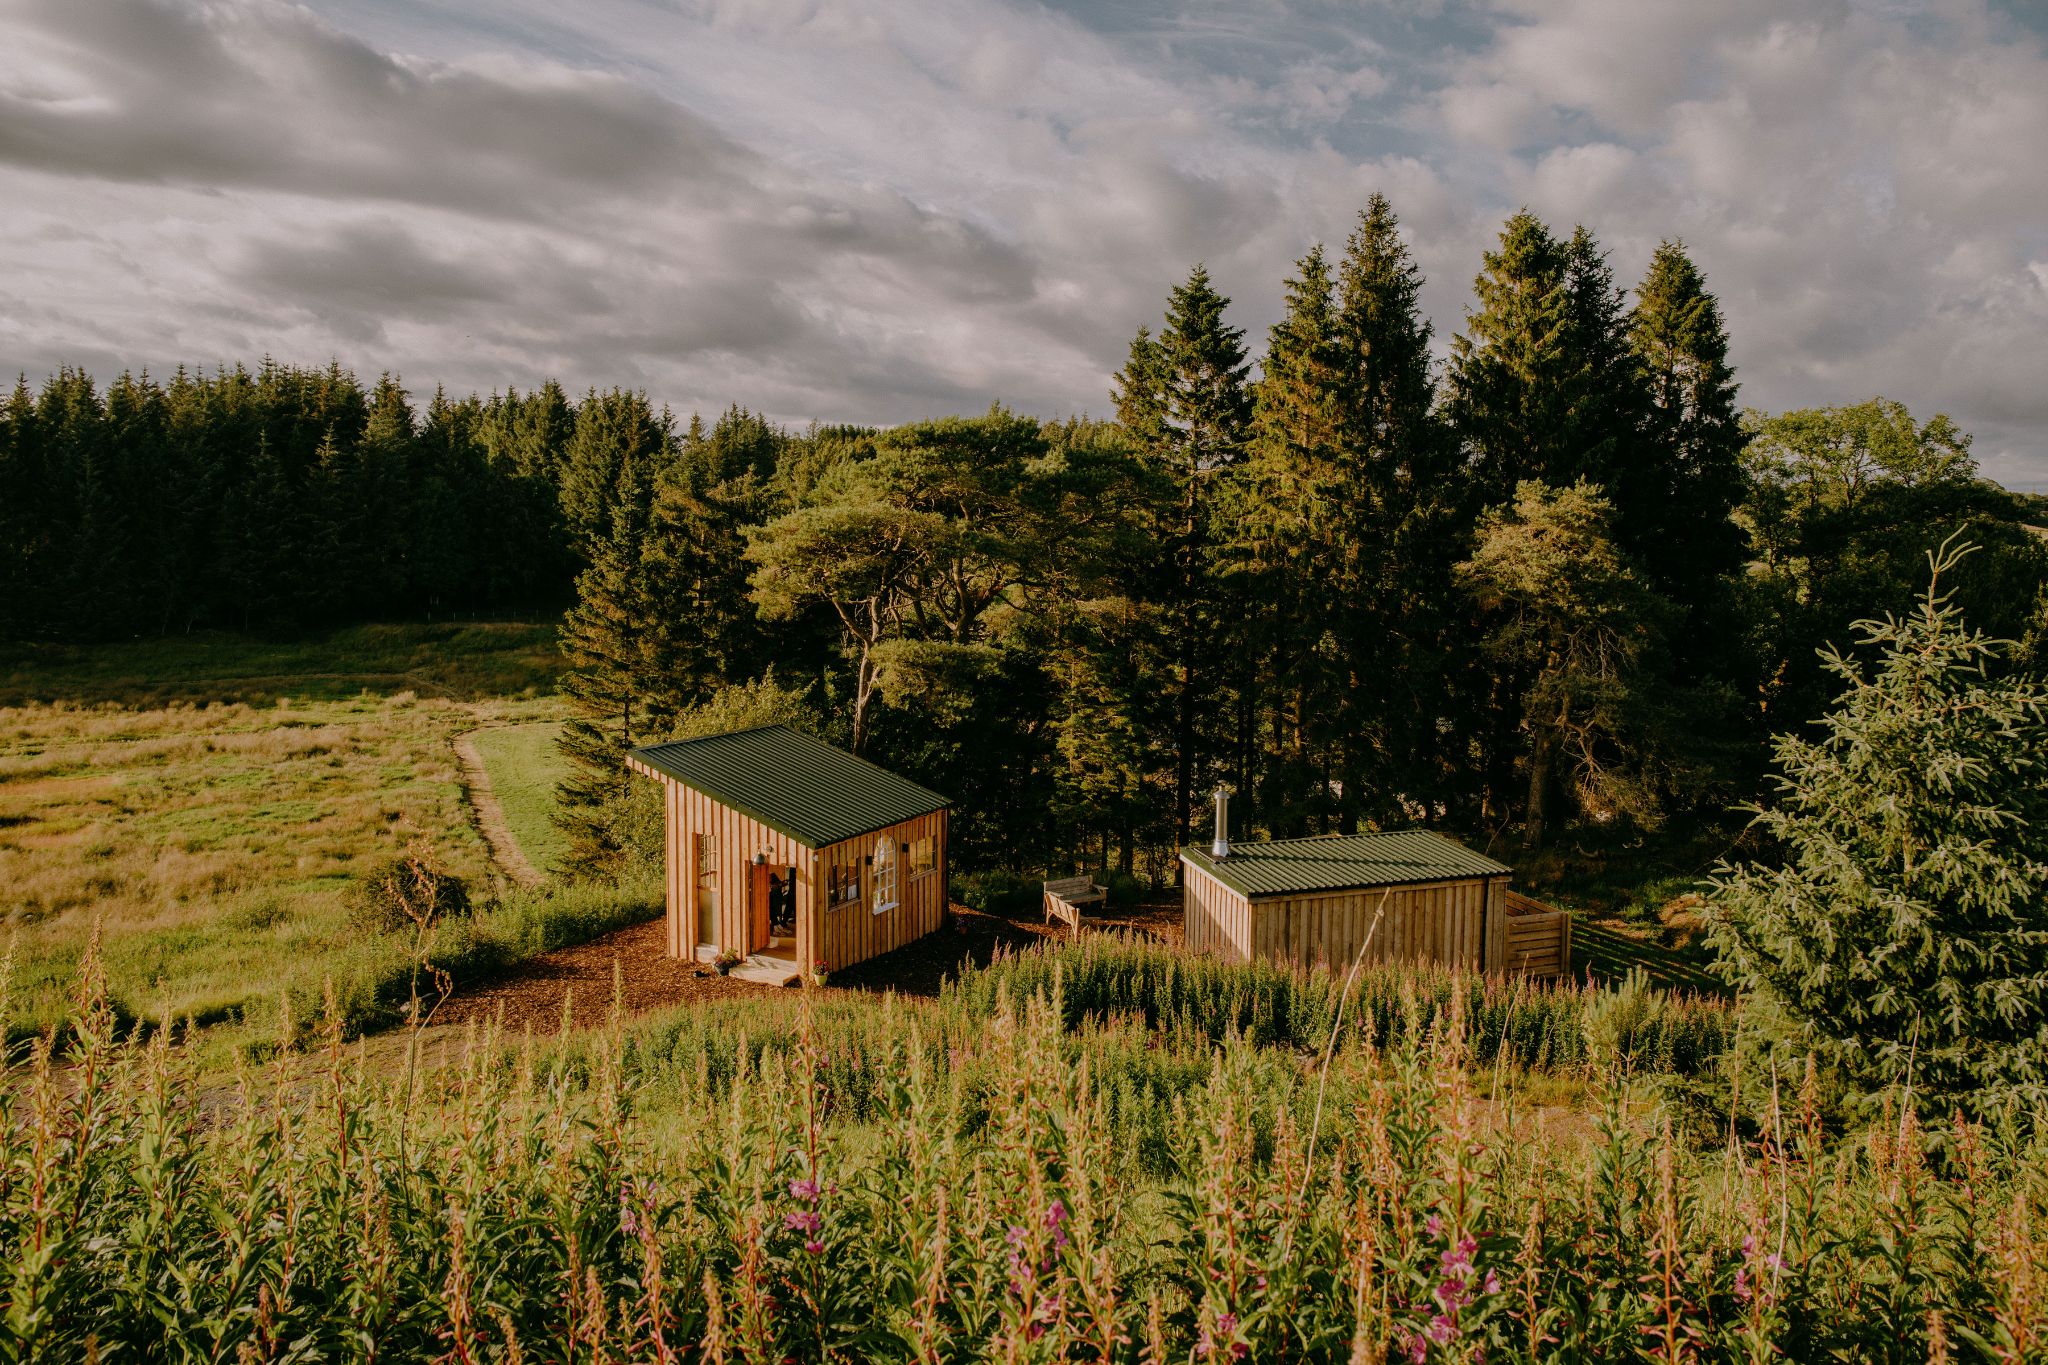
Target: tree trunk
x,y
1539,790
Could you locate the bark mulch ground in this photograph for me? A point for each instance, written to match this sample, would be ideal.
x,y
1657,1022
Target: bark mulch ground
x,y
531,996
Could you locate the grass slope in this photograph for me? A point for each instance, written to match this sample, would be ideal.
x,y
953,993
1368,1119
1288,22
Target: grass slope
x,y
464,661
524,767
205,804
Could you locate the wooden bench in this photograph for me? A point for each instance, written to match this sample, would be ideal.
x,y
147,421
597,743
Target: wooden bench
x,y
1065,896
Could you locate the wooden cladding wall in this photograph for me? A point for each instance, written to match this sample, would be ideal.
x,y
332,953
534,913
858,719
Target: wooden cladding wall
x,y
1459,923
854,933
736,839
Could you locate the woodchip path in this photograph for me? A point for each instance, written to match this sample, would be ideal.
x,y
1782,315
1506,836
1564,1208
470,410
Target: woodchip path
x,y
490,816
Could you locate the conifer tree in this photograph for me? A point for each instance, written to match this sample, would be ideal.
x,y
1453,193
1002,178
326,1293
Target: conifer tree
x,y
1904,929
1183,399
1690,543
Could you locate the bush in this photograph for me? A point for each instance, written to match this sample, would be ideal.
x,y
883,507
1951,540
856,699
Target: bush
x,y
406,892
1124,889
998,892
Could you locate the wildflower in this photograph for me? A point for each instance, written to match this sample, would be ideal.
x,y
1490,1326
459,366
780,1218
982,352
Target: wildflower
x,y
814,1246
803,1189
1492,1284
807,1221
1742,1292
1227,1323
1418,1348
1451,1294
1441,1330
1434,1227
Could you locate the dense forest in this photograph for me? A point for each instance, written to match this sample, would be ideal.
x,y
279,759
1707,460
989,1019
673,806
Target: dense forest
x,y
1559,579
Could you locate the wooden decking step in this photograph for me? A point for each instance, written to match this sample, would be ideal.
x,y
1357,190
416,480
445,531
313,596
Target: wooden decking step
x,y
769,971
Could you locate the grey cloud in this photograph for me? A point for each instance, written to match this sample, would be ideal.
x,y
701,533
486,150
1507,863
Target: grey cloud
x,y
877,209
267,96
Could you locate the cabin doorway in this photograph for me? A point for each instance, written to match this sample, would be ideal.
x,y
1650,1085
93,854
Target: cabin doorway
x,y
771,904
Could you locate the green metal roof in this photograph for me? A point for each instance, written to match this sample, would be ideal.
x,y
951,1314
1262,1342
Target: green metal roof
x,y
804,787
1282,867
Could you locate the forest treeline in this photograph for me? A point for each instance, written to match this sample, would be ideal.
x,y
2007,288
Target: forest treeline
x,y
1562,577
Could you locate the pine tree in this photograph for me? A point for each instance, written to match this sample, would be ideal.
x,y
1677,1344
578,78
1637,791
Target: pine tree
x,y
620,446
1286,546
1904,931
1689,542
1183,399
603,642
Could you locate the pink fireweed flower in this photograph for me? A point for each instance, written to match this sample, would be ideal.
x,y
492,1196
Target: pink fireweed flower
x,y
1742,1284
1492,1284
807,1221
814,1247
1418,1348
803,1189
1451,1295
1434,1226
1227,1322
1441,1330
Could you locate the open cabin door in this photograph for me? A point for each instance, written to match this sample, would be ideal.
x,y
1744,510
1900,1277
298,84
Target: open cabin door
x,y
758,932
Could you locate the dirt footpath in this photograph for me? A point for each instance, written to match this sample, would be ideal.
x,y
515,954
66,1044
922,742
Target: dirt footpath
x,y
531,996
490,816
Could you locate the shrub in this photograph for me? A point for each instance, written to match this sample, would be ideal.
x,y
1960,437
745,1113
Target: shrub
x,y
409,891
1124,889
997,892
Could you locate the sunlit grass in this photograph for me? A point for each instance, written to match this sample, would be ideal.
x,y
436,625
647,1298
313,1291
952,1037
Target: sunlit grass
x,y
525,767
460,660
215,845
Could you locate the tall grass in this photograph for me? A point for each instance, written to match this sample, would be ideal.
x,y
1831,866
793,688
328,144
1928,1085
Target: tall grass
x,y
1543,1026
583,1205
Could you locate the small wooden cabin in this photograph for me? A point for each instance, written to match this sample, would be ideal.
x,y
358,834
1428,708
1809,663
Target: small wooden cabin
x,y
1310,901
790,852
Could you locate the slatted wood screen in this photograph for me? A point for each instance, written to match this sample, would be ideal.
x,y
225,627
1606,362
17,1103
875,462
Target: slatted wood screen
x,y
1539,937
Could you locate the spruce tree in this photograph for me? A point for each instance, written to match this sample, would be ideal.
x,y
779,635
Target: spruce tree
x,y
1183,399
1903,928
1692,545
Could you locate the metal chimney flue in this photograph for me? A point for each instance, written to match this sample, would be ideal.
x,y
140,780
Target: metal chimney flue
x,y
1220,847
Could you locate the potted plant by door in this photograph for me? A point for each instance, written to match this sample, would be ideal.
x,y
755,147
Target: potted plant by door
x,y
726,960
821,972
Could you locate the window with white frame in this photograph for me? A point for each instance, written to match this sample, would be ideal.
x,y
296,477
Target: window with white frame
x,y
888,875
923,856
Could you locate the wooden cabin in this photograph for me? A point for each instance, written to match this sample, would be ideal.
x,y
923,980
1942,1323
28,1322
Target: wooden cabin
x,y
790,852
1311,901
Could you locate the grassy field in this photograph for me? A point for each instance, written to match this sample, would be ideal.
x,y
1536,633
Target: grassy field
x,y
524,768
213,846
461,661
205,805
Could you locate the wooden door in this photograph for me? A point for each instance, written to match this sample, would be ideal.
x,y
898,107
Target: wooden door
x,y
757,907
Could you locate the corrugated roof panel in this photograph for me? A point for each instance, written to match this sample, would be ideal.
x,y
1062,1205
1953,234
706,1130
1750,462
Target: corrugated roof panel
x,y
1282,867
813,792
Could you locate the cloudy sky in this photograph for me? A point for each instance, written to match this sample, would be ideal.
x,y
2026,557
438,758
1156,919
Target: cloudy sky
x,y
873,210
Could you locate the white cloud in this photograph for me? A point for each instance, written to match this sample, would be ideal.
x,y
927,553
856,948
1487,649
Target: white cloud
x,y
878,209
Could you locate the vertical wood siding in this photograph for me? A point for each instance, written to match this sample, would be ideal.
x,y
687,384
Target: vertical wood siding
x,y
1456,923
854,933
837,937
